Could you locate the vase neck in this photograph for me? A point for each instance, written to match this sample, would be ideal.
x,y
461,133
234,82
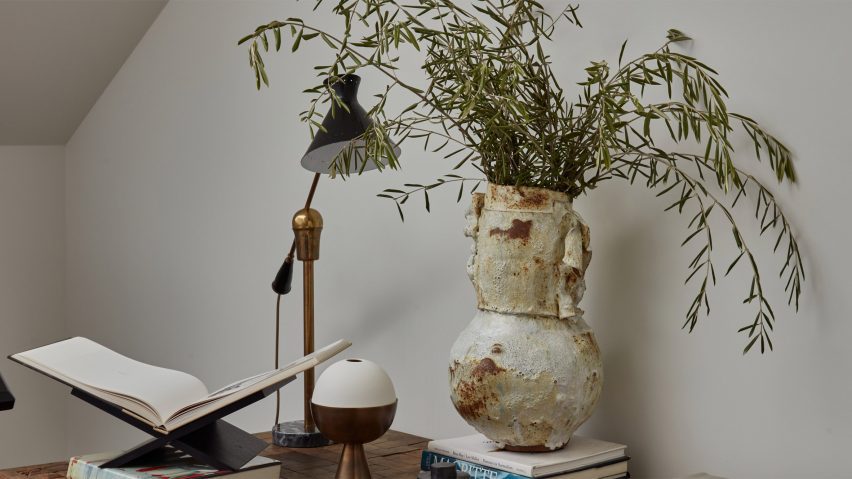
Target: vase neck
x,y
524,198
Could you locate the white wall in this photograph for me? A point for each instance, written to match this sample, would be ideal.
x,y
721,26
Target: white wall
x,y
182,180
181,184
32,230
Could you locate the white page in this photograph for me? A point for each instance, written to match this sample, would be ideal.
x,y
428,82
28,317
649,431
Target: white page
x,y
248,386
241,384
87,362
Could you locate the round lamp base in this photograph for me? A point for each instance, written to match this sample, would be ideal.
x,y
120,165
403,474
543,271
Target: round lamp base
x,y
293,434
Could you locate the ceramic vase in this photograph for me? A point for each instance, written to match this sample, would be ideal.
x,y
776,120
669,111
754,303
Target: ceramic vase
x,y
526,372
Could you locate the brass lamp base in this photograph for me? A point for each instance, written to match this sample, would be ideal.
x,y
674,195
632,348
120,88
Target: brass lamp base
x,y
354,427
353,462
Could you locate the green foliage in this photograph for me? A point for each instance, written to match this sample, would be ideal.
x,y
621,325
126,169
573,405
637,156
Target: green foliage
x,y
492,101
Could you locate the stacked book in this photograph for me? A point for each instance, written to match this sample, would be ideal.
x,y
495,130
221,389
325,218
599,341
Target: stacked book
x,y
168,464
582,458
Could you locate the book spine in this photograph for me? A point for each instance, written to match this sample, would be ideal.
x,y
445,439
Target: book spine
x,y
78,469
82,470
476,471
513,467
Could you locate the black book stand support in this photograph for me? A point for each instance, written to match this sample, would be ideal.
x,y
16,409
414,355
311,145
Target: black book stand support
x,y
7,401
208,439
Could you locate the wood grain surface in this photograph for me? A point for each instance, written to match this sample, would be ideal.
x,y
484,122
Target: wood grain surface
x,y
395,455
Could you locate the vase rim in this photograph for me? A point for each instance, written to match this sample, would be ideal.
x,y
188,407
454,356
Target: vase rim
x,y
529,198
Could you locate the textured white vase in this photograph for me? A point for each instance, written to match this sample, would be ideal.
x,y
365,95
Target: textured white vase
x,y
526,372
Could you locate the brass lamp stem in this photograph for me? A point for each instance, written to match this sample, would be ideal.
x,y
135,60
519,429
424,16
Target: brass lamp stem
x,y
308,300
307,225
312,191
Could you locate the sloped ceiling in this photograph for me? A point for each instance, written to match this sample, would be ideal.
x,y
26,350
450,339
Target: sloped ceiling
x,y
56,58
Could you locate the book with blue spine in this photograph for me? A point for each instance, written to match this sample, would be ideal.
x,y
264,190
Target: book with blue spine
x,y
478,453
615,469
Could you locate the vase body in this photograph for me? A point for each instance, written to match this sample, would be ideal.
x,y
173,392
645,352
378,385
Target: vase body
x,y
527,371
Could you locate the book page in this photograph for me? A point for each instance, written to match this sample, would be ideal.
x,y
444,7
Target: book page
x,y
245,387
241,384
80,361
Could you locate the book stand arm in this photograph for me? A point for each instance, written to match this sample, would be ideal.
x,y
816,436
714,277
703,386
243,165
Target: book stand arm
x,y
7,401
208,439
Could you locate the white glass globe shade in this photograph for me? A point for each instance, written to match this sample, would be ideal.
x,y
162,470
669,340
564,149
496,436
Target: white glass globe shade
x,y
354,383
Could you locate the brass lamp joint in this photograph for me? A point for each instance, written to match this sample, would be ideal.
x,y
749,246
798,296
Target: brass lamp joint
x,y
307,225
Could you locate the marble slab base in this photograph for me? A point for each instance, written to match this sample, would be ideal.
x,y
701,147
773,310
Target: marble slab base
x,y
293,434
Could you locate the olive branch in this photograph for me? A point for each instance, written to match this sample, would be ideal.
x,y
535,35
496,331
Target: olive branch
x,y
491,101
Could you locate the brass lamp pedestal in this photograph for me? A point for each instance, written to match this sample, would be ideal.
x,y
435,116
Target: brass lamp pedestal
x,y
354,427
307,224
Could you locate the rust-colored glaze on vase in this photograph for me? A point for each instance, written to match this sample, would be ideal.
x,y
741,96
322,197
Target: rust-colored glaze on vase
x,y
527,370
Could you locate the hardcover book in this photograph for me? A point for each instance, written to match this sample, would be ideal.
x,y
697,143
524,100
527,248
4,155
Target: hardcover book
x,y
614,469
163,398
172,464
580,453
494,475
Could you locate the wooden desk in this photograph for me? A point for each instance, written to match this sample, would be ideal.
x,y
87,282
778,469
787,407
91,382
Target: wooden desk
x,y
395,455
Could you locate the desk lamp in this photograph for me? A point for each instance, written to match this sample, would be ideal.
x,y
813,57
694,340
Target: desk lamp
x,y
7,401
341,136
354,403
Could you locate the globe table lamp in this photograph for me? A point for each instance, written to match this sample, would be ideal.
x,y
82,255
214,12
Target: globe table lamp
x,y
341,136
354,402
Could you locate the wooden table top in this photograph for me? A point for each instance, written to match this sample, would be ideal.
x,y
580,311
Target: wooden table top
x,y
395,455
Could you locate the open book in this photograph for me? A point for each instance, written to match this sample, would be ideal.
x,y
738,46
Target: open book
x,y
164,398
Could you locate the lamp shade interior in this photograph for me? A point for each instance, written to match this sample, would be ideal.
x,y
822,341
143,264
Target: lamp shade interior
x,y
354,383
321,159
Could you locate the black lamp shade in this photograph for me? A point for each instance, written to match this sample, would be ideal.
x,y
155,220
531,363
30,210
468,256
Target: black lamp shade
x,y
7,401
340,127
283,282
